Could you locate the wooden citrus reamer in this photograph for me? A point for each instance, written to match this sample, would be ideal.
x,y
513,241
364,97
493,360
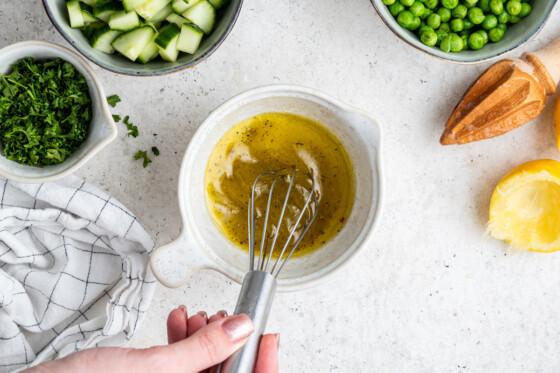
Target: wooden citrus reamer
x,y
507,95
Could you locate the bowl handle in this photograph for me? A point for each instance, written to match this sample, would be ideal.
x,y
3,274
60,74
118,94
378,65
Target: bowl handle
x,y
173,264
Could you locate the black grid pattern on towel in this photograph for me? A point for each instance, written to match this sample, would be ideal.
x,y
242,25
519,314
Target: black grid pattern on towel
x,y
56,298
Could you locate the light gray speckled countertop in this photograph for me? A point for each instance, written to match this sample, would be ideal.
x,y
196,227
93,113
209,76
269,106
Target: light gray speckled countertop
x,y
433,293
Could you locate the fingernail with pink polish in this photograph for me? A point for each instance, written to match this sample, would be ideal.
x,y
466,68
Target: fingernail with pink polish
x,y
203,314
223,313
277,340
238,327
183,308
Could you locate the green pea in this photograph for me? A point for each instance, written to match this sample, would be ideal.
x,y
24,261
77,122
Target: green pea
x,y
476,15
424,29
525,10
502,26
445,27
514,19
470,3
456,43
484,35
504,18
464,33
456,25
445,14
496,6
433,20
476,41
429,38
465,39
422,24
490,21
460,11
513,7
407,3
440,36
417,8
426,13
396,8
388,2
446,44
496,34
484,5
467,24
405,19
449,4
431,4
415,24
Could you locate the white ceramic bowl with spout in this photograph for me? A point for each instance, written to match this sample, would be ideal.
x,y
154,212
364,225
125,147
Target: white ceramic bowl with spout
x,y
201,245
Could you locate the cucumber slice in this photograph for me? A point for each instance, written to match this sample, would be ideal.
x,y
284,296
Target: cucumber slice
x,y
105,11
131,43
150,8
87,15
75,14
177,19
179,6
202,14
123,21
88,2
167,42
155,25
190,38
219,3
102,39
162,14
130,5
149,52
100,3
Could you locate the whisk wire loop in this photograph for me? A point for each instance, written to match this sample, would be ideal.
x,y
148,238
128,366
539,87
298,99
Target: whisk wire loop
x,y
252,220
278,226
266,251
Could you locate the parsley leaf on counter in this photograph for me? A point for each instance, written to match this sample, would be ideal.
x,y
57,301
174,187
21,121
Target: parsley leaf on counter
x,y
116,118
45,111
133,130
155,150
113,100
143,155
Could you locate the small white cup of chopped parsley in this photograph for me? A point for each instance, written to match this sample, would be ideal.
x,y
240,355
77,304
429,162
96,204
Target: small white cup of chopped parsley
x,y
54,115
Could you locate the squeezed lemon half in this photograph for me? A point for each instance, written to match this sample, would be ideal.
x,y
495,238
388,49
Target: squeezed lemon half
x,y
525,207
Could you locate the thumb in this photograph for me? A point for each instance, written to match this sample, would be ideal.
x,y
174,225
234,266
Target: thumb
x,y
209,346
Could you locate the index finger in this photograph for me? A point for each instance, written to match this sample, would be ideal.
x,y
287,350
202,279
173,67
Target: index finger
x,y
267,359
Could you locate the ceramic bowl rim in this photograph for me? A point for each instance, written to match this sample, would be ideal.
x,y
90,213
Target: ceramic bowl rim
x,y
103,109
427,50
158,72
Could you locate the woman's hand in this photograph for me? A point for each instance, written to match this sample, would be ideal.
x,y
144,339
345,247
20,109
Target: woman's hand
x,y
196,344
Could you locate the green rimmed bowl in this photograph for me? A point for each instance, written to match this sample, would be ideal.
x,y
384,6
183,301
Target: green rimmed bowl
x,y
57,12
516,35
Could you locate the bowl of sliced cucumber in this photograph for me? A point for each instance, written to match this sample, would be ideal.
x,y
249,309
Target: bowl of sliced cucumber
x,y
144,37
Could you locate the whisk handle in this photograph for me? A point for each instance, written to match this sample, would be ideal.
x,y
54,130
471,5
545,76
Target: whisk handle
x,y
255,300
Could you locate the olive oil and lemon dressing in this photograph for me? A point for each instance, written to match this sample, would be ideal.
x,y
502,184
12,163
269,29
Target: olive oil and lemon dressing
x,y
278,142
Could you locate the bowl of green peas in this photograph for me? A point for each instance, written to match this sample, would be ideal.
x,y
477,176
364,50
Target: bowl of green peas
x,y
465,31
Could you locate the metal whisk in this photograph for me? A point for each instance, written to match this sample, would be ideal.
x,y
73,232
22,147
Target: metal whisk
x,y
259,284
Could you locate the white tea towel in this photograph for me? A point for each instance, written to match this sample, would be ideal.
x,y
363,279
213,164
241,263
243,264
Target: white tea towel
x,y
74,271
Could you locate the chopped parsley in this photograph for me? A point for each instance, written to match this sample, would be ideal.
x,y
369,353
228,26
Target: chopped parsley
x,y
113,100
142,154
132,129
45,111
116,118
155,150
